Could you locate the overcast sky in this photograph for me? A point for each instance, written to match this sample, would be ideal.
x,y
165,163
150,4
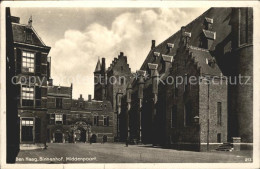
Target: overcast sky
x,y
79,36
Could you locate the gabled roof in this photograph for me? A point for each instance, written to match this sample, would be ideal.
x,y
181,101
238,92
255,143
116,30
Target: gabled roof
x,y
221,17
19,35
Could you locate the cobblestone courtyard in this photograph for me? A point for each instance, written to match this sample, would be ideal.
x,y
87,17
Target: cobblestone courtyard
x,y
119,153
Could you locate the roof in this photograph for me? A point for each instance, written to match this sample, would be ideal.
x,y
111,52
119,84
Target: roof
x,y
92,105
221,26
59,91
19,35
221,17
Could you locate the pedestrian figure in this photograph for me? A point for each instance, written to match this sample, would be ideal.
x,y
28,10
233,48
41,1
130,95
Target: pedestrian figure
x,y
126,142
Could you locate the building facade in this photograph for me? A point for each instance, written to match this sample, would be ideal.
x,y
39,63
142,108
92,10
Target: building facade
x,y
214,48
77,120
110,85
31,75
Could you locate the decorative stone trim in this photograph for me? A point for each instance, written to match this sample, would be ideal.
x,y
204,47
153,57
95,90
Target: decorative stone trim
x,y
167,58
152,66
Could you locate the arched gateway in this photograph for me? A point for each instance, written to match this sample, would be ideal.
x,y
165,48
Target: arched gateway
x,y
81,131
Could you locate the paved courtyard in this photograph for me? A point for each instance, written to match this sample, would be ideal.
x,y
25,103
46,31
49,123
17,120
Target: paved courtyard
x,y
119,153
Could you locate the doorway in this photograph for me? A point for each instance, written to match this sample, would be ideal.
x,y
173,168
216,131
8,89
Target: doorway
x,y
58,137
82,135
27,130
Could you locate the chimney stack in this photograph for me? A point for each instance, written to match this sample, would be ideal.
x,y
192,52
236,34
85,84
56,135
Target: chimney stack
x,y
50,82
153,44
89,97
15,19
103,67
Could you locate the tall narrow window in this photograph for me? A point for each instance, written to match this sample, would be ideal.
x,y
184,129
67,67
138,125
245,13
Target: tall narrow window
x,y
219,137
27,96
106,121
28,62
219,113
188,114
59,103
58,119
96,120
174,116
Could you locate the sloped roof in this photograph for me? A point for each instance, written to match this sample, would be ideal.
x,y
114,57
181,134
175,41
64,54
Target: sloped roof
x,y
221,26
19,35
221,17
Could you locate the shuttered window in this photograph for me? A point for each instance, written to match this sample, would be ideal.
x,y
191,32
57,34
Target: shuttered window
x,y
28,62
27,96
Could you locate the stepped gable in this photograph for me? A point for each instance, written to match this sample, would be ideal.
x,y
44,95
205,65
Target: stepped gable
x,y
221,17
204,61
114,62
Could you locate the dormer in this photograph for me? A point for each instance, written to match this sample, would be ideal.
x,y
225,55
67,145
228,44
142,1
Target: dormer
x,y
167,62
208,22
152,67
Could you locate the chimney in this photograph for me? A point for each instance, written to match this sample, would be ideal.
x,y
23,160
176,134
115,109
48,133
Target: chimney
x,y
89,97
50,82
15,19
167,62
103,67
153,44
121,54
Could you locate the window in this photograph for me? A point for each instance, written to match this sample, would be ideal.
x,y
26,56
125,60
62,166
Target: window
x,y
174,116
106,120
219,137
28,35
219,112
27,122
58,118
96,120
188,114
59,103
28,62
27,96
122,81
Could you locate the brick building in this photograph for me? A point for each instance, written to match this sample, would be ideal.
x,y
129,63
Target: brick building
x,y
111,84
216,45
79,120
32,74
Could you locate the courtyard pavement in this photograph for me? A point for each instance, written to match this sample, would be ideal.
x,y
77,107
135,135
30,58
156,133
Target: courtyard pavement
x,y
119,153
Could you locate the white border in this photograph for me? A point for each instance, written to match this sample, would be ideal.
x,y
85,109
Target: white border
x,y
136,4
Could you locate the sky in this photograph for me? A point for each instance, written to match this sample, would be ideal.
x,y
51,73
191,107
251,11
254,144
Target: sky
x,y
79,36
